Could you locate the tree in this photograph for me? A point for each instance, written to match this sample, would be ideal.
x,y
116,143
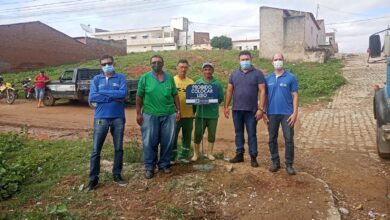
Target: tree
x,y
221,42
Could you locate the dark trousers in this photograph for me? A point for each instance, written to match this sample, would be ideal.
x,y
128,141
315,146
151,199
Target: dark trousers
x,y
100,130
245,120
288,133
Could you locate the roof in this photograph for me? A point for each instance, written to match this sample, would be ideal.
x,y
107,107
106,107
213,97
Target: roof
x,y
290,10
131,30
254,40
38,23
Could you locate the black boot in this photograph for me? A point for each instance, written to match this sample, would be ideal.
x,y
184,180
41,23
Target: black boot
x,y
254,162
239,158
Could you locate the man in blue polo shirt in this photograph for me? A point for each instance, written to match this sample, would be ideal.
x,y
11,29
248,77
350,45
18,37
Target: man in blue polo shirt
x,y
282,109
108,90
247,88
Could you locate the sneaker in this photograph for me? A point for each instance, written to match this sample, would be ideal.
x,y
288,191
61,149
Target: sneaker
x,y
119,180
173,162
254,162
274,167
239,158
184,161
92,185
149,174
166,170
290,170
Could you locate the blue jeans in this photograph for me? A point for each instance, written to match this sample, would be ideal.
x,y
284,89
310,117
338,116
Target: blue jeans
x,y
288,134
100,130
158,130
39,93
241,120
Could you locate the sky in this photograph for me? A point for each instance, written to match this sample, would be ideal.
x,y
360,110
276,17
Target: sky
x,y
352,20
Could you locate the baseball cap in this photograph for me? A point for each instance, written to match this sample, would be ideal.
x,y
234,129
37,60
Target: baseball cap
x,y
207,64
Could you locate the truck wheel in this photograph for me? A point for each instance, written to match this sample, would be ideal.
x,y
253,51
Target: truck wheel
x,y
383,146
48,99
380,108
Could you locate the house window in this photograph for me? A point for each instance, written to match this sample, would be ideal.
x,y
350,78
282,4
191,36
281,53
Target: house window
x,y
240,47
133,36
254,47
145,36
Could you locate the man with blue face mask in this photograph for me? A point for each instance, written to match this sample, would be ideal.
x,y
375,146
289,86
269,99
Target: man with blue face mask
x,y
108,90
247,88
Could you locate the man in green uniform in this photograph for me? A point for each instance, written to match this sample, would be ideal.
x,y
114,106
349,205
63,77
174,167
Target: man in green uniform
x,y
158,99
207,115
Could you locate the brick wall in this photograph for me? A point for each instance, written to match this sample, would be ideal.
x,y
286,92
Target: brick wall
x,y
33,45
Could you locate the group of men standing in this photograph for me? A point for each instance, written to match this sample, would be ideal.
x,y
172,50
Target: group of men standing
x,y
162,113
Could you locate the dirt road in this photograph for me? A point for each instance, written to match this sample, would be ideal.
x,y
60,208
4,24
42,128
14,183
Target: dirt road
x,y
336,161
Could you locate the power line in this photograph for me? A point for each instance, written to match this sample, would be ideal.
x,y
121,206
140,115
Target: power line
x,y
142,5
361,20
50,6
135,10
345,12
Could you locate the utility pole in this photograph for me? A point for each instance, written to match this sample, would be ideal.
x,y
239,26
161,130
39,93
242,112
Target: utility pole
x,y
318,7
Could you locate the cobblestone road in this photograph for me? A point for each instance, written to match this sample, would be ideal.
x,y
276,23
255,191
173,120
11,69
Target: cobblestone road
x,y
346,123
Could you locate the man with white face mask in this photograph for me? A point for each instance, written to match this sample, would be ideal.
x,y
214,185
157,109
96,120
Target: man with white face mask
x,y
282,109
108,90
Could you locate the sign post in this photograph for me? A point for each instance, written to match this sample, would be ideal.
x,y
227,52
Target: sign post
x,y
202,94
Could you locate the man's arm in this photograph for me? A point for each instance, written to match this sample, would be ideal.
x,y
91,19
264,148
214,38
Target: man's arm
x,y
177,104
94,96
261,107
138,106
121,93
221,96
229,94
293,118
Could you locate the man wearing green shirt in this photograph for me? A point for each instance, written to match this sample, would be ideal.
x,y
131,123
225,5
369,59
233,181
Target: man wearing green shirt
x,y
207,115
157,97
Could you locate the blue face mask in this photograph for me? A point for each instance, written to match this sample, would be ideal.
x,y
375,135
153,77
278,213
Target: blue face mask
x,y
245,64
108,68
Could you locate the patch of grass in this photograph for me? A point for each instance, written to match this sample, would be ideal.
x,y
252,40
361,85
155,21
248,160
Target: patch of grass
x,y
171,184
168,211
40,166
219,156
318,81
315,80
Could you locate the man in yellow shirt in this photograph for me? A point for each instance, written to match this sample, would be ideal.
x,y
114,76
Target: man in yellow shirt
x,y
187,116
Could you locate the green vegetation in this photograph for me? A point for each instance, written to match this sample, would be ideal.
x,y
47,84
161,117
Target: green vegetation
x,y
221,42
316,81
31,168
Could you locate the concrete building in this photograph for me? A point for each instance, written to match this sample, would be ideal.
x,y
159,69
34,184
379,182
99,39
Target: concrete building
x,y
296,34
32,45
175,36
331,41
246,44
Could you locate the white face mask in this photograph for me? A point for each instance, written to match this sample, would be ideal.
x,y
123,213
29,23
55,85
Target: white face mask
x,y
278,64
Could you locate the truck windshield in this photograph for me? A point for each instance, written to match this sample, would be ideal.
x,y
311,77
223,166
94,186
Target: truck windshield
x,y
87,74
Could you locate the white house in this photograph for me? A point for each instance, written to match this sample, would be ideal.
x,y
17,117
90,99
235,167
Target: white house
x,y
246,44
173,37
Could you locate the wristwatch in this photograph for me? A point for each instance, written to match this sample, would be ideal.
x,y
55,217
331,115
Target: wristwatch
x,y
262,110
